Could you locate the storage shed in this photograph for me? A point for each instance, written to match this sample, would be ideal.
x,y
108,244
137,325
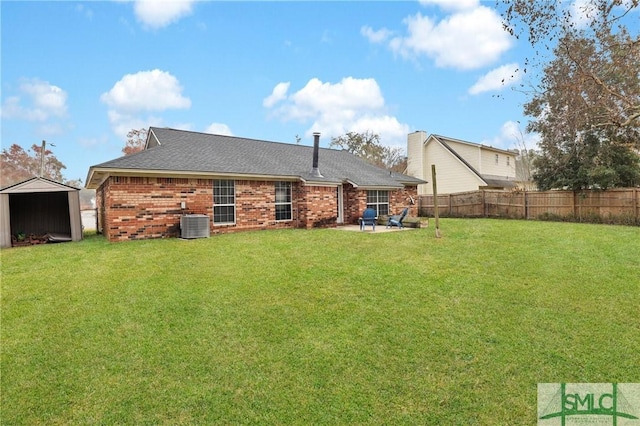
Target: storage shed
x,y
40,206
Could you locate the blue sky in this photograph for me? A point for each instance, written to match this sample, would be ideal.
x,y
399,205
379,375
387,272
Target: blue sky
x,y
80,75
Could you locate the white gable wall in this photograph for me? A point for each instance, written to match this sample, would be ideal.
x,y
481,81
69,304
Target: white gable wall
x,y
452,174
488,165
471,153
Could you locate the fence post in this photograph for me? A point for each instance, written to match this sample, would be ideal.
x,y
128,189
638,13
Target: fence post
x,y
637,205
484,204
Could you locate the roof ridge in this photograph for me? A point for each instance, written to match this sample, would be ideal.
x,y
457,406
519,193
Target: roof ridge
x,y
243,138
479,145
205,153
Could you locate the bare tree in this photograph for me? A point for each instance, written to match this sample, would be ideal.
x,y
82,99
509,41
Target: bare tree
x,y
524,161
136,139
17,165
586,102
600,51
368,147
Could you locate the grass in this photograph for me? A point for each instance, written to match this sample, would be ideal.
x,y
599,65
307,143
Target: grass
x,y
318,326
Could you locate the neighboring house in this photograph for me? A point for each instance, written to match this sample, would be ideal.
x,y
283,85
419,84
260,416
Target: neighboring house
x,y
460,166
241,184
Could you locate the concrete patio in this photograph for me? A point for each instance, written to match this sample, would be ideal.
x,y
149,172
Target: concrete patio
x,y
379,229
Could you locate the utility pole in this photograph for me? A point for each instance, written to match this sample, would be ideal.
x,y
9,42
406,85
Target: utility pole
x,y
44,144
42,155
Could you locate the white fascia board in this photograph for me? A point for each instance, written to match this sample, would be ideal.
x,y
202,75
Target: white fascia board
x,y
97,176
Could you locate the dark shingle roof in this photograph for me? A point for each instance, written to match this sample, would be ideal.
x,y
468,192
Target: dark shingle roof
x,y
201,153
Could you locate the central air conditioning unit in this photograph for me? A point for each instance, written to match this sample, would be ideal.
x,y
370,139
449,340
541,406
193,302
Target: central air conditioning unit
x,y
194,226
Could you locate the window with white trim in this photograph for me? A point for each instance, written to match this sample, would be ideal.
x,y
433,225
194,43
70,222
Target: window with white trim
x,y
379,201
283,201
224,202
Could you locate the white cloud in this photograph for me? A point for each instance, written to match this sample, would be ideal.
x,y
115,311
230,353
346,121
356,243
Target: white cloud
x,y
279,93
512,136
138,94
146,90
219,129
469,38
156,14
134,96
452,4
336,108
582,12
391,131
373,36
497,79
47,97
43,102
122,123
340,101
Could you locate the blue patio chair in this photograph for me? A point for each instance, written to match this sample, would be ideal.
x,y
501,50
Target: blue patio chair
x,y
396,220
368,218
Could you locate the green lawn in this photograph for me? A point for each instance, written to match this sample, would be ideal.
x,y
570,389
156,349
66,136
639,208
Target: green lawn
x,y
318,326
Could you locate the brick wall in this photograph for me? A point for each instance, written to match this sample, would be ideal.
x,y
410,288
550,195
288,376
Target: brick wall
x,y
146,207
356,202
255,208
141,207
318,206
398,200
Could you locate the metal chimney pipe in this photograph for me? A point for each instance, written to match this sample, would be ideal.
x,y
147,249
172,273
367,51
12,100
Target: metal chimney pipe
x,y
315,171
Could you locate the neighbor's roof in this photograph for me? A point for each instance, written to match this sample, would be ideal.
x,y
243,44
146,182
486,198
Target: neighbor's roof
x,y
184,153
444,139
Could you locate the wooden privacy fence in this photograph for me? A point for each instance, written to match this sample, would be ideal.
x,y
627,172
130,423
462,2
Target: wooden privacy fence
x,y
619,206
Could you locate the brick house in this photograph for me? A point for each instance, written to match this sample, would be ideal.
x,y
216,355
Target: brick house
x,y
240,184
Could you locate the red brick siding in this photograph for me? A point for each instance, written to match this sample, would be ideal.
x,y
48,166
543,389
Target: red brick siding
x,y
318,206
356,202
140,207
398,200
255,208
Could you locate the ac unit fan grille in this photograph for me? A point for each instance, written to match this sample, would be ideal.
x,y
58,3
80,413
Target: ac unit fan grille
x,y
194,226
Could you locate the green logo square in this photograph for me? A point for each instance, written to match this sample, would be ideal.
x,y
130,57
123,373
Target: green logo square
x,y
616,404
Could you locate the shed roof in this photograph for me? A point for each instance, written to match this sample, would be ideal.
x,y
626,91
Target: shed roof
x,y
170,151
37,184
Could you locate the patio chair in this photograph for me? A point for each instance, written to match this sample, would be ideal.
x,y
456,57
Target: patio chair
x,y
396,220
368,218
